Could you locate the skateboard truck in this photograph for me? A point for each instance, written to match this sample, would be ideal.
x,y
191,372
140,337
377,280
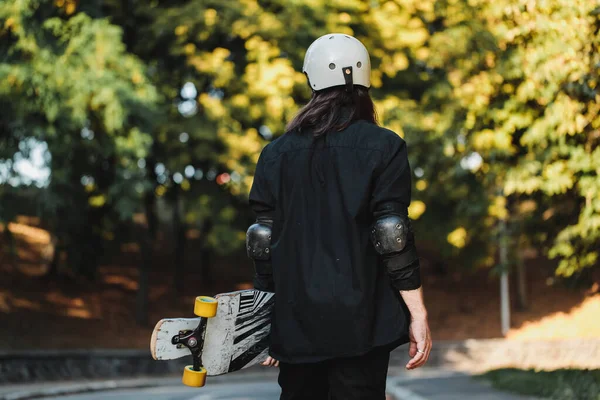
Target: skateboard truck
x,y
193,340
195,375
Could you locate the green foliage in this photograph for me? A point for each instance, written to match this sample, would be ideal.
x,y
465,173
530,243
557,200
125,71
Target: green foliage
x,y
497,100
562,384
532,113
68,81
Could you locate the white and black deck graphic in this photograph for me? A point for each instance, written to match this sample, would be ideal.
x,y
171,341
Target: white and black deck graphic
x,y
252,327
236,338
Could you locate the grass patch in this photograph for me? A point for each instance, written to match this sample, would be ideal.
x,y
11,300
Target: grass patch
x,y
562,384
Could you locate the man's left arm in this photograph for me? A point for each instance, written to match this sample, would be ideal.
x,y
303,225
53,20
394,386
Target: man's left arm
x,y
259,234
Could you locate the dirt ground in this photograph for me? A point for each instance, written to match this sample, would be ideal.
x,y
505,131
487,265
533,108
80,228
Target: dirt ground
x,y
62,312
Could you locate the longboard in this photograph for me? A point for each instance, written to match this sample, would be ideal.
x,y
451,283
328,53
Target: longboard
x,y
236,337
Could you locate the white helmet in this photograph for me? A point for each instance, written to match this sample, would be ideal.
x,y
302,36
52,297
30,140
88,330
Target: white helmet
x,y
337,59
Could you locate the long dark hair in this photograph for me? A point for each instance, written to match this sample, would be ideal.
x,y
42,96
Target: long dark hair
x,y
334,109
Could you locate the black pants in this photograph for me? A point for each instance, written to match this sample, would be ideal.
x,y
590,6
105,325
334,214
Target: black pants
x,y
355,378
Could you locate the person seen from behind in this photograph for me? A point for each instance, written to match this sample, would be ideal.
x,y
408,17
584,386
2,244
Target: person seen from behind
x,y
333,239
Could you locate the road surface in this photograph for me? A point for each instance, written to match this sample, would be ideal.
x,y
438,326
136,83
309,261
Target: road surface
x,y
268,390
428,384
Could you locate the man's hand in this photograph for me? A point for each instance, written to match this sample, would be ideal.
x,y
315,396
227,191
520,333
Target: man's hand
x,y
420,343
270,362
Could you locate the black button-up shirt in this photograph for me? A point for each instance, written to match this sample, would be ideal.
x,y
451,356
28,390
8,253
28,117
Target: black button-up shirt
x,y
334,295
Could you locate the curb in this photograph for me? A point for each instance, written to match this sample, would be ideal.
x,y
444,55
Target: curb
x,y
52,389
53,353
404,394
26,367
400,393
395,388
479,355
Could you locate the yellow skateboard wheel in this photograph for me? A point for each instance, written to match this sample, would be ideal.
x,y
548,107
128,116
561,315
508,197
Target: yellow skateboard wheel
x,y
194,378
205,306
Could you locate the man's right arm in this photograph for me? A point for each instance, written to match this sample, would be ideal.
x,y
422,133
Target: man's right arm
x,y
393,239
419,334
391,233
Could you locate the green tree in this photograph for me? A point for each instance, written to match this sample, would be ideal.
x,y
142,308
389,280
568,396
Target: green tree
x,y
531,111
244,60
497,101
67,80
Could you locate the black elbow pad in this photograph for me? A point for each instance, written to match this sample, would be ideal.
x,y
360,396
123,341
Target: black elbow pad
x,y
258,242
392,237
390,234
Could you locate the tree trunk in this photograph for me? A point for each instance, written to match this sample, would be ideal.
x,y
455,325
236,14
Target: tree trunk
x,y
522,301
145,240
12,244
141,301
55,261
151,218
179,249
504,289
205,253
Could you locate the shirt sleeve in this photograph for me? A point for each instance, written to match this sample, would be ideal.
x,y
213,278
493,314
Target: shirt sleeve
x,y
391,196
261,197
262,203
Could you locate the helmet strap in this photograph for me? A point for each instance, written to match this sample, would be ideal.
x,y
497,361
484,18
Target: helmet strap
x,y
348,78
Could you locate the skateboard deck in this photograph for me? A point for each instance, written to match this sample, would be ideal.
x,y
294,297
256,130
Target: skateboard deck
x,y
235,338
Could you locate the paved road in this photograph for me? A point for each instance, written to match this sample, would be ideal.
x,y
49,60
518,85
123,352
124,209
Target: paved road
x,y
236,391
426,384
